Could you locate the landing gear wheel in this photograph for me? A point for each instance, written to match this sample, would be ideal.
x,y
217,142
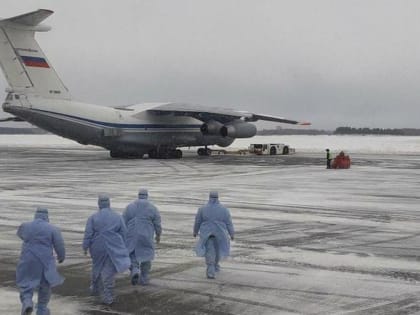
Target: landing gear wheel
x,y
115,154
125,155
165,153
286,150
153,154
177,154
204,151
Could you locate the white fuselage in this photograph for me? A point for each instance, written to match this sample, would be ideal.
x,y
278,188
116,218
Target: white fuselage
x,y
38,96
128,129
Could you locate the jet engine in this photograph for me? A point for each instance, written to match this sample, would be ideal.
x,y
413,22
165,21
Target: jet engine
x,y
235,129
238,129
211,127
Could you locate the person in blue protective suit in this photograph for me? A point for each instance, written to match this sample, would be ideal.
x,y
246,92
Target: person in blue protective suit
x,y
214,223
105,234
143,223
37,268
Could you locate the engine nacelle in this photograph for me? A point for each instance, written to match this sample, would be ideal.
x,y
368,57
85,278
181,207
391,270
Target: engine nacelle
x,y
238,129
224,142
211,128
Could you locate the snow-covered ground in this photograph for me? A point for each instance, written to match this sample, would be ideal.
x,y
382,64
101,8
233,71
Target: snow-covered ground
x,y
10,304
303,143
309,240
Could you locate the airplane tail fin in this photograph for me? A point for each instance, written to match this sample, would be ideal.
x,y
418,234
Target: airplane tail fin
x,y
24,64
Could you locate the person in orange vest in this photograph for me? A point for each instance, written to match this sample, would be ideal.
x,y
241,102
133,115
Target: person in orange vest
x,y
328,158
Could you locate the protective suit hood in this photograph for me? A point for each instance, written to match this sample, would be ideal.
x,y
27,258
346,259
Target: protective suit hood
x,y
214,197
103,201
42,213
143,194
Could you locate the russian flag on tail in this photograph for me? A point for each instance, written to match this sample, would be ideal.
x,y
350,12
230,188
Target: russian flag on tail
x,y
34,62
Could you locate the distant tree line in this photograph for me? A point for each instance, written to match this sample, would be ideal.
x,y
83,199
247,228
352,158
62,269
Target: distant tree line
x,y
377,131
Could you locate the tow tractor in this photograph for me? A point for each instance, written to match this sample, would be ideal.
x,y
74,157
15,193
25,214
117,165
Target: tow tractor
x,y
270,149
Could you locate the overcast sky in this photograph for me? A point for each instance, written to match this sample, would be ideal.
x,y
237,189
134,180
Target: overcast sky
x,y
332,62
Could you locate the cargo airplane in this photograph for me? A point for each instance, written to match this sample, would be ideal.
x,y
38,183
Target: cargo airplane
x,y
37,95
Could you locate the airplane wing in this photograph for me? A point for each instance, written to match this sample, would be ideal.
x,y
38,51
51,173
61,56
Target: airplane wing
x,y
222,115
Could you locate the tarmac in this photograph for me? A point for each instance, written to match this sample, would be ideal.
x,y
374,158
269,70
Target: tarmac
x,y
309,240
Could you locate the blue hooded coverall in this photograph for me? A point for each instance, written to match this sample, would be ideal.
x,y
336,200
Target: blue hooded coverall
x,y
105,238
214,223
143,222
37,268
